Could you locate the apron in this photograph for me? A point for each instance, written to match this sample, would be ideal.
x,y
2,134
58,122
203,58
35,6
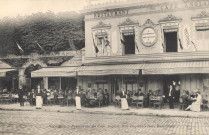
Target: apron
x,y
78,102
39,102
124,104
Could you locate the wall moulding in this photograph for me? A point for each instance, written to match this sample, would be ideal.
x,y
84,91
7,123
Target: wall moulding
x,y
201,16
128,22
170,19
102,25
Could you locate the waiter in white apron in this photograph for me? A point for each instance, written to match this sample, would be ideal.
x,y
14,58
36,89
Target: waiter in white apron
x,y
78,99
124,103
39,100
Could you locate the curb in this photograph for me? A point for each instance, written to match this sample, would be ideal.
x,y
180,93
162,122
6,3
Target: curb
x,y
107,113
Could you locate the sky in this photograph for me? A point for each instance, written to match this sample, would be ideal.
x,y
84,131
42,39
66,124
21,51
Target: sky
x,y
13,8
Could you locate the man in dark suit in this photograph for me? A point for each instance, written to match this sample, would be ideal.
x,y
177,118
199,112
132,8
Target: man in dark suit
x,y
171,94
20,94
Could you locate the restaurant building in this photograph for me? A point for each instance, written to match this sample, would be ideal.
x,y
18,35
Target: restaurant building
x,y
146,45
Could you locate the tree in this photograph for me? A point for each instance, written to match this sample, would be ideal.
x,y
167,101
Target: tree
x,y
51,31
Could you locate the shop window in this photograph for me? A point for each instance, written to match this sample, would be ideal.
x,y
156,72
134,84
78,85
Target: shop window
x,y
171,42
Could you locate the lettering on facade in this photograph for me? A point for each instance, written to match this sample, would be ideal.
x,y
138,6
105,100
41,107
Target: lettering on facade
x,y
169,6
195,3
110,13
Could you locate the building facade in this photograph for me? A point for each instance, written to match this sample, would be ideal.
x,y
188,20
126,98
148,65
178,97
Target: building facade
x,y
167,41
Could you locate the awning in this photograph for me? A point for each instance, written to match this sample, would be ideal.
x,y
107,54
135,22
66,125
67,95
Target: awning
x,y
4,71
147,68
125,69
176,68
55,72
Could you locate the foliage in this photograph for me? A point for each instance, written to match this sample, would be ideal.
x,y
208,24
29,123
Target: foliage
x,y
16,62
51,31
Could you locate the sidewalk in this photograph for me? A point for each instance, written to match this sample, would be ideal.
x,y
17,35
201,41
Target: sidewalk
x,y
111,110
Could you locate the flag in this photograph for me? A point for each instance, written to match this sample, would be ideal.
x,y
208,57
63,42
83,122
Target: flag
x,y
72,46
136,46
163,45
106,41
180,44
194,46
96,49
19,47
122,40
42,49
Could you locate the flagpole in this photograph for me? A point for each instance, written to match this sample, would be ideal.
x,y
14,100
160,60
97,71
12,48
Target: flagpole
x,y
194,46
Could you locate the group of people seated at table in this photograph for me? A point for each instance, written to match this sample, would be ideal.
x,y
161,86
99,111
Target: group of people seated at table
x,y
91,97
193,100
136,95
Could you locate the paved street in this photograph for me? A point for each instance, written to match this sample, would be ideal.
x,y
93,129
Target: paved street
x,y
39,122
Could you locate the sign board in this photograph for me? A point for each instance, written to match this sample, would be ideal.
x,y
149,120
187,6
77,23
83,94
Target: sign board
x,y
148,36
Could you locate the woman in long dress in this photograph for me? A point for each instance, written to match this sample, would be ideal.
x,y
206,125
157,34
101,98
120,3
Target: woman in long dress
x,y
124,103
195,106
78,99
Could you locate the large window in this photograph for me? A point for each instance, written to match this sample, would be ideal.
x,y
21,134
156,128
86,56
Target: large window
x,y
128,41
203,38
103,45
171,42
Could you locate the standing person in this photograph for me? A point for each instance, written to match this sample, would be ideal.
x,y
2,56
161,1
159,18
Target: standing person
x,y
124,103
39,99
171,95
20,94
106,97
78,99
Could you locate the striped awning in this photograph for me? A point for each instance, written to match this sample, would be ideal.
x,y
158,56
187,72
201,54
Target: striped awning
x,y
4,71
147,68
177,68
55,72
125,69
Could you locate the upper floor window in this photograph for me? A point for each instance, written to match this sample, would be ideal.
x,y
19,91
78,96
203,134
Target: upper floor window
x,y
171,40
201,22
102,44
127,37
128,42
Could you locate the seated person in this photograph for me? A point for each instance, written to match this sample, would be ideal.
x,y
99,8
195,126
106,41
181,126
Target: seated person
x,y
195,106
135,93
140,92
185,98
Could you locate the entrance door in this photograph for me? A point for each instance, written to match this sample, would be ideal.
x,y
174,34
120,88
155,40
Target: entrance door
x,y
171,41
172,80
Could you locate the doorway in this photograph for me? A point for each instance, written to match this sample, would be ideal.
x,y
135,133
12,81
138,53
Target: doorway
x,y
171,41
172,80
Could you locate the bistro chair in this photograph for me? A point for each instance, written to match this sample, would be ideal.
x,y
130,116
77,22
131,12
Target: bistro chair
x,y
204,104
134,100
117,101
140,102
100,103
50,100
183,105
158,102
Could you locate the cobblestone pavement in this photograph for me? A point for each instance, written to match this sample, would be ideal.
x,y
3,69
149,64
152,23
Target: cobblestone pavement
x,y
56,123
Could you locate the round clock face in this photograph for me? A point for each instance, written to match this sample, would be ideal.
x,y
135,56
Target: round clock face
x,y
148,36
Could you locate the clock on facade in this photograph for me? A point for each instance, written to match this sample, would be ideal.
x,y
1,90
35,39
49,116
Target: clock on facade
x,y
148,36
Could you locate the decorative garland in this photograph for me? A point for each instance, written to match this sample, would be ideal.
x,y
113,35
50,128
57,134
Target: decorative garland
x,y
15,62
55,61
